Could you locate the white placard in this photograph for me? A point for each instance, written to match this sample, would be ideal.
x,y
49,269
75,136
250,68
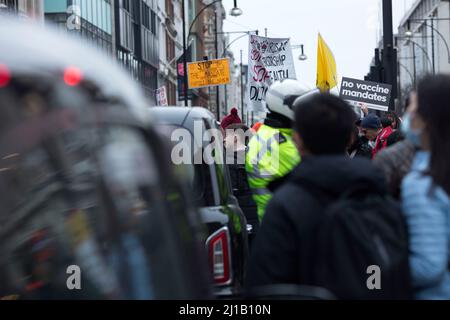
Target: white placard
x,y
269,60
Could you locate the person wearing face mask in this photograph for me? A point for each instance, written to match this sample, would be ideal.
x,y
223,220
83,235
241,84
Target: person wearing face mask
x,y
395,162
426,190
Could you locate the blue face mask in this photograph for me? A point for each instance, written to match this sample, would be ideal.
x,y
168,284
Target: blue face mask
x,y
414,136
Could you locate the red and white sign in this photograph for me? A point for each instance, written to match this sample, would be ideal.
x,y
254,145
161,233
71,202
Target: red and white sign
x,y
269,60
161,97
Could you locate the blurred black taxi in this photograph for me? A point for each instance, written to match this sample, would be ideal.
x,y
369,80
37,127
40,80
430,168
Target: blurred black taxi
x,y
88,207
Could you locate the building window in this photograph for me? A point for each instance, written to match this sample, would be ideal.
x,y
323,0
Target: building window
x,y
146,16
171,93
153,22
170,44
126,31
126,5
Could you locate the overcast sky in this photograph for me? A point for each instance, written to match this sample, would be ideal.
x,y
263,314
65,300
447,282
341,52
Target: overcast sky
x,y
350,27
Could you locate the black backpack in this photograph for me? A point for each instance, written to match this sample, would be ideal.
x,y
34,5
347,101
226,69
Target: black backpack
x,y
361,229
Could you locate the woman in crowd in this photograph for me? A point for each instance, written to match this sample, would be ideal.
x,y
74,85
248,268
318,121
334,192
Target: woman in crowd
x,y
426,189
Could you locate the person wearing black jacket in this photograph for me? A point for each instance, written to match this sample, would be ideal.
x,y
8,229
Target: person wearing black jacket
x,y
284,250
359,146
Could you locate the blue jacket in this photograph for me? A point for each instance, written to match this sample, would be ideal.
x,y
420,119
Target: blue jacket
x,y
427,211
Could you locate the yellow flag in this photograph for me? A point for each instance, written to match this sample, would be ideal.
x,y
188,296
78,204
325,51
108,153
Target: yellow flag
x,y
326,67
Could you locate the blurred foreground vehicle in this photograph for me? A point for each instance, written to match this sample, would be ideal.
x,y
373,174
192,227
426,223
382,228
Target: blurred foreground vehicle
x,y
88,209
227,244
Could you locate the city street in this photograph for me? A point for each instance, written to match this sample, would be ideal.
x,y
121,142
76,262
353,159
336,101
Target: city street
x,y
224,154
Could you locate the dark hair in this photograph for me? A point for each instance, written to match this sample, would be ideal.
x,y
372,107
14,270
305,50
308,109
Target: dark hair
x,y
386,122
434,108
325,123
393,115
395,137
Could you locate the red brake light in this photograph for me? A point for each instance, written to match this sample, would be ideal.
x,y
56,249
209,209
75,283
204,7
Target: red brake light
x,y
219,256
73,76
5,76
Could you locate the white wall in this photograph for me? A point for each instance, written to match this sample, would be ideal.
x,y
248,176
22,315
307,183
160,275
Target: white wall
x,y
442,55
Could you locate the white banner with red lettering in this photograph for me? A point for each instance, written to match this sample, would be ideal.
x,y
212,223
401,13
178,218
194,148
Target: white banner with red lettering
x,y
161,97
269,60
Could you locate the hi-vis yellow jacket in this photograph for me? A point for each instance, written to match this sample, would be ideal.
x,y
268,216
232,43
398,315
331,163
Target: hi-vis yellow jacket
x,y
271,155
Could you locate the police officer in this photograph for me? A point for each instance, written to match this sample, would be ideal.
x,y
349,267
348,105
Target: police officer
x,y
271,152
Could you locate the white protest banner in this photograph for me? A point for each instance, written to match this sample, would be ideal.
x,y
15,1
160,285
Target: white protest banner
x,y
161,97
269,60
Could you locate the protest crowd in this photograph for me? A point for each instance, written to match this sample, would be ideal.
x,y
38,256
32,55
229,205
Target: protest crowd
x,y
350,192
328,196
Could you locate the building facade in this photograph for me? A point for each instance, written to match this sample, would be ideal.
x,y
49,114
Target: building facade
x,y
128,30
146,37
214,44
33,9
90,20
423,42
137,41
170,46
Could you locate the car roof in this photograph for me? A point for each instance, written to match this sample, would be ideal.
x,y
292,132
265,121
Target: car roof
x,y
181,116
184,117
29,47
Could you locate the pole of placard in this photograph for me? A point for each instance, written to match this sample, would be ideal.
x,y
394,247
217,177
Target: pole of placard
x,y
217,57
432,45
185,79
242,89
389,58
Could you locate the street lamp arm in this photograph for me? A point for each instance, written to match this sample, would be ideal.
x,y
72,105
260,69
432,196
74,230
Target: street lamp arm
x,y
443,39
429,19
436,30
229,45
198,15
234,32
424,51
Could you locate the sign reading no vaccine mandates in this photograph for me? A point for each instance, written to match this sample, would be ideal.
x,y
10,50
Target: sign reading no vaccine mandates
x,y
372,94
208,73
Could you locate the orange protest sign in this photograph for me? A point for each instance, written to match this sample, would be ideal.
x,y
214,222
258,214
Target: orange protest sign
x,y
208,73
